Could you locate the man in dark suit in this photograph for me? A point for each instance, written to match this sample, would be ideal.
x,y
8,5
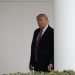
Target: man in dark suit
x,y
42,47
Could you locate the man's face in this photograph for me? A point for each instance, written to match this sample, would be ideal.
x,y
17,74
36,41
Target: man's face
x,y
42,22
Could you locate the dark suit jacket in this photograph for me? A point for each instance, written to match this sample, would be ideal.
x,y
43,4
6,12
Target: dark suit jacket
x,y
45,50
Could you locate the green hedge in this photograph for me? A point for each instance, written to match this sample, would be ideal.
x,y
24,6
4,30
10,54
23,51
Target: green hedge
x,y
65,72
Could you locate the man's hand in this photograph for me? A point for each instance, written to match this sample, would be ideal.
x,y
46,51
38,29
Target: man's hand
x,y
49,67
30,67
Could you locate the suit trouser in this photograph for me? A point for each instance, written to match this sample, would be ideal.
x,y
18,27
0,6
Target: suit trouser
x,y
39,67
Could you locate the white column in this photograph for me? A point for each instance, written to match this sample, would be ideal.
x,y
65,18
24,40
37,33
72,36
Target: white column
x,y
64,35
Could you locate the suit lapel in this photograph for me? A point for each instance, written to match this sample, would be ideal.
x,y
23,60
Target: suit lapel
x,y
44,34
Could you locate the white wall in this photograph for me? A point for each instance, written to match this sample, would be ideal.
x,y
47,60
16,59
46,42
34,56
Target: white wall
x,y
64,35
17,24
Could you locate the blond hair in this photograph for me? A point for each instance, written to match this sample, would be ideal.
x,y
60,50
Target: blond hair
x,y
41,15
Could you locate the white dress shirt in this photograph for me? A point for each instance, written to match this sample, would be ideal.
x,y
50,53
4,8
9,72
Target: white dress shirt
x,y
44,29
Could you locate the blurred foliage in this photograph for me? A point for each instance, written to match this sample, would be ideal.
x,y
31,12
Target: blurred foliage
x,y
65,72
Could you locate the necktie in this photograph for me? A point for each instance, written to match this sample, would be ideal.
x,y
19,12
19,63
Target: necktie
x,y
37,42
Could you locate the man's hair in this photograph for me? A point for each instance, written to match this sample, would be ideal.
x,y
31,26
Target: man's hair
x,y
41,15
